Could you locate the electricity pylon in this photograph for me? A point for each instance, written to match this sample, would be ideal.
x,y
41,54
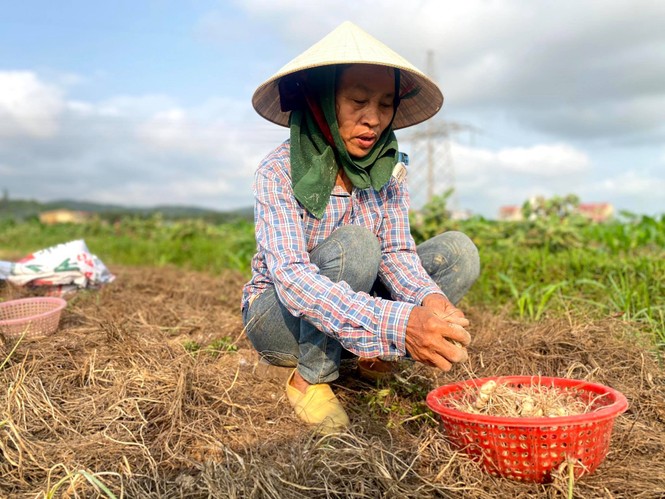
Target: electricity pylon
x,y
435,138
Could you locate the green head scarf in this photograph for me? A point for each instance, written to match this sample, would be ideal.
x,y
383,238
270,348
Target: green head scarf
x,y
315,161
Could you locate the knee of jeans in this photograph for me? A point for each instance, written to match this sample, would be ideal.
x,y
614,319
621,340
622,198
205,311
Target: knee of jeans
x,y
452,248
468,253
363,253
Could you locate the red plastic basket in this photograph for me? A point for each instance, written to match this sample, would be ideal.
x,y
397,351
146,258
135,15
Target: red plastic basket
x,y
530,449
30,317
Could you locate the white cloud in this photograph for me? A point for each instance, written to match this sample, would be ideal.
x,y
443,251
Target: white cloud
x,y
28,106
182,191
140,150
80,108
222,130
7,169
167,129
629,117
485,179
544,160
541,160
632,183
133,106
637,191
192,131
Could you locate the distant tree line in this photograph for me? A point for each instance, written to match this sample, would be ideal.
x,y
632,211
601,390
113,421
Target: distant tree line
x,y
20,210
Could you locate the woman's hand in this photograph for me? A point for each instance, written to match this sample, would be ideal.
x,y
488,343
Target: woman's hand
x,y
430,329
445,309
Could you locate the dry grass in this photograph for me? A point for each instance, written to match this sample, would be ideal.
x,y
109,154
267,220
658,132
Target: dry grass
x,y
114,400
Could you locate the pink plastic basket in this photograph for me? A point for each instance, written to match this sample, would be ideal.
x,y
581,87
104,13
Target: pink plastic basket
x,y
30,317
530,449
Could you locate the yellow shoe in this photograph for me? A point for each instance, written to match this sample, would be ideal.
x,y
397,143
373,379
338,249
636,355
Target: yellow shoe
x,y
375,369
318,406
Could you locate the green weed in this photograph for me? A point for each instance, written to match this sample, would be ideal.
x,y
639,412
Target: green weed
x,y
532,301
92,478
224,344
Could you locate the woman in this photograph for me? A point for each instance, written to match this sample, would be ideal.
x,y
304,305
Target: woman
x,y
336,268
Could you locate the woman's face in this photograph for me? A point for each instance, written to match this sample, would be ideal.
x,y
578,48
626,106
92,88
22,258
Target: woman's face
x,y
364,105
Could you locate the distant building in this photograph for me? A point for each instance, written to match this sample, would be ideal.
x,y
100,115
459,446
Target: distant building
x,y
460,214
510,213
63,216
596,212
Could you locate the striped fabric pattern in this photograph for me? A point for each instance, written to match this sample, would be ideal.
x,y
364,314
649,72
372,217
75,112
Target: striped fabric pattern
x,y
286,232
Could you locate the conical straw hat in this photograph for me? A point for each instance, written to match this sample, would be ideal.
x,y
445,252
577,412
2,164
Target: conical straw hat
x,y
349,44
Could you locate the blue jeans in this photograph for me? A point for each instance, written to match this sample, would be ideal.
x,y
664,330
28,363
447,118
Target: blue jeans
x,y
350,254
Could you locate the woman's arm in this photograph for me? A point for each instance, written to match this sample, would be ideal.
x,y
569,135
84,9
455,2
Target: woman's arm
x,y
401,270
364,325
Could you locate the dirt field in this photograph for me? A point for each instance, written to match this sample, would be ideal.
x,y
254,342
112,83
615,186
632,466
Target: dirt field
x,y
119,393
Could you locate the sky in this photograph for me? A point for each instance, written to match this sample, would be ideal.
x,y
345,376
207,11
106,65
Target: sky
x,y
148,102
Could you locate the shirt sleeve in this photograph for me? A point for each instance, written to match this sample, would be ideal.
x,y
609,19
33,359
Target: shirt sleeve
x,y
365,325
400,269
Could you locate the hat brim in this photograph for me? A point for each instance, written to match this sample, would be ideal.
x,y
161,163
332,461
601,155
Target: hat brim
x,y
348,44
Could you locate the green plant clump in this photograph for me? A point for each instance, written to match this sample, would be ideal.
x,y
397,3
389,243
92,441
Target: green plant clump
x,y
556,262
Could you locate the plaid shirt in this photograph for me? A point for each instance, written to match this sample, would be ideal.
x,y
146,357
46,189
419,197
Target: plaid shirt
x,y
286,232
